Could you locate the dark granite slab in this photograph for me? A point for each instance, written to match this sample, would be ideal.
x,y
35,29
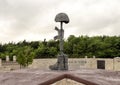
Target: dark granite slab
x,y
46,77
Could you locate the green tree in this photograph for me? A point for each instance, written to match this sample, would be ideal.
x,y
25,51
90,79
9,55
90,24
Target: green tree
x,y
42,51
100,46
25,56
53,51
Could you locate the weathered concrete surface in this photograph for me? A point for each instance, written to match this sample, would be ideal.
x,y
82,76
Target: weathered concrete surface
x,y
43,77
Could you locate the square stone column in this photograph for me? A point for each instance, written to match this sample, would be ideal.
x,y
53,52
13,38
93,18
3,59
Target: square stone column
x,y
7,58
14,58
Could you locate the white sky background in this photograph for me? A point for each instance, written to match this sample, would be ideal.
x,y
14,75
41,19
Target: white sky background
x,y
34,19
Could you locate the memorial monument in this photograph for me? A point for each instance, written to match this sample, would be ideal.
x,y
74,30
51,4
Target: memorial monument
x,y
62,59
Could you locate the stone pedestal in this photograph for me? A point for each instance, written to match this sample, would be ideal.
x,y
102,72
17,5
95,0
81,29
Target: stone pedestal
x,y
62,63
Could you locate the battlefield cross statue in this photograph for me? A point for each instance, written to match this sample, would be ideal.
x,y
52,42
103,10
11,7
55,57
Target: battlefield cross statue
x,y
62,59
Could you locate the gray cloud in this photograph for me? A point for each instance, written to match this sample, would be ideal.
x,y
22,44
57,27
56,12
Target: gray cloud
x,y
34,19
97,17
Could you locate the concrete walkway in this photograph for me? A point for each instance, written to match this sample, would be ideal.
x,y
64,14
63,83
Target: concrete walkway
x,y
47,77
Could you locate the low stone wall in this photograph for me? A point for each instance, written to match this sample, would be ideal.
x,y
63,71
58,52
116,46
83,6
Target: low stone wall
x,y
42,63
77,63
9,65
73,63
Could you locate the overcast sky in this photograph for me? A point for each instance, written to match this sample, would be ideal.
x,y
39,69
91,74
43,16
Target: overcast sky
x,y
34,19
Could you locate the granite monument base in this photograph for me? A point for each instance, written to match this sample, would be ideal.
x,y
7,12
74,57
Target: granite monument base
x,y
62,63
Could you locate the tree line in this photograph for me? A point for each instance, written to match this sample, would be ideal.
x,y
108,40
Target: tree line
x,y
74,47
